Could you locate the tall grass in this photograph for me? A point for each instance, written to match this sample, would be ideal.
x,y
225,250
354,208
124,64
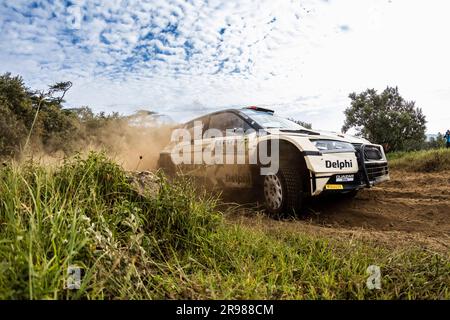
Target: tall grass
x,y
175,244
421,161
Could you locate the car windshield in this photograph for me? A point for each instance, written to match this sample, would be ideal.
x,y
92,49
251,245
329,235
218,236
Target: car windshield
x,y
270,121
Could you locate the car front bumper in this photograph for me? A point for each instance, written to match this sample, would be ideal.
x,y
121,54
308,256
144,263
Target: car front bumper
x,y
370,172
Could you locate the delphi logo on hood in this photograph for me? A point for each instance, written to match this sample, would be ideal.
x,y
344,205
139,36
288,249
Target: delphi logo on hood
x,y
339,164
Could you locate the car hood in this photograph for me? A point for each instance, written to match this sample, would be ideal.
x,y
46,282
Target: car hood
x,y
322,134
346,137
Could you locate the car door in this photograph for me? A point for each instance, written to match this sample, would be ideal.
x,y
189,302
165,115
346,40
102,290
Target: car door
x,y
196,130
227,143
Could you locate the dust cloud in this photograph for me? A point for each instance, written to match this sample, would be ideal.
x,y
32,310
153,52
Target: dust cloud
x,y
134,147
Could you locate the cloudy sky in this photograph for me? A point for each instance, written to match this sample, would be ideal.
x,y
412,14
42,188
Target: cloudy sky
x,y
185,58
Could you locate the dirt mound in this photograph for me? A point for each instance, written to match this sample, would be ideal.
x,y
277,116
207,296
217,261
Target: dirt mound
x,y
411,209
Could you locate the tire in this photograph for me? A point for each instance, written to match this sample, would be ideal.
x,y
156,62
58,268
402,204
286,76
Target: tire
x,y
283,192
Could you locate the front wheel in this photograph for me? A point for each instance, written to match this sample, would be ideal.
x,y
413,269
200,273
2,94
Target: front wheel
x,y
283,192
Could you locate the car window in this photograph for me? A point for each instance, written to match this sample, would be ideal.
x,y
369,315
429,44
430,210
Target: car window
x,y
267,120
202,121
228,121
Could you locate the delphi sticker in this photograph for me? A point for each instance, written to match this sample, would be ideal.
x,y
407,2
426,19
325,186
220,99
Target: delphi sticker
x,y
339,164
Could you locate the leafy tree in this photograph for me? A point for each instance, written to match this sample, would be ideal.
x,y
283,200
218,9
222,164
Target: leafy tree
x,y
16,97
16,112
54,126
62,88
12,131
387,119
34,117
33,120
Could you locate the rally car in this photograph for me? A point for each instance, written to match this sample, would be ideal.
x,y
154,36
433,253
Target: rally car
x,y
223,150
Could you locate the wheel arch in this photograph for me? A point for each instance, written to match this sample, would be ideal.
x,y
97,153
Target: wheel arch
x,y
290,155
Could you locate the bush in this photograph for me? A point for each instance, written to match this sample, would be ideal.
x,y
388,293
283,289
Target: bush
x,y
86,213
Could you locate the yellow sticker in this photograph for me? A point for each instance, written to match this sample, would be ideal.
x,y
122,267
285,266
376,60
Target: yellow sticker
x,y
334,187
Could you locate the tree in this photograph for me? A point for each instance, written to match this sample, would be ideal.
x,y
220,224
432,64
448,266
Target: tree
x,y
59,87
16,97
16,114
51,124
12,131
386,119
34,118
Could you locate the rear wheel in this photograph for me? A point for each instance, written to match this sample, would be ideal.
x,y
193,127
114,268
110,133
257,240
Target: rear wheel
x,y
283,192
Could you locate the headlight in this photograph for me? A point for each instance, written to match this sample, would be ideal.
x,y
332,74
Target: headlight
x,y
333,146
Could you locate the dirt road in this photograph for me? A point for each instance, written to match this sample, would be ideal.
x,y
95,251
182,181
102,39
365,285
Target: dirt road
x,y
411,209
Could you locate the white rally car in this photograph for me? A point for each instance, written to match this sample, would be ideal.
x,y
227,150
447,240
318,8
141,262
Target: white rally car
x,y
307,162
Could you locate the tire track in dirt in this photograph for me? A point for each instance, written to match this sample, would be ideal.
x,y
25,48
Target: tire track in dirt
x,y
412,209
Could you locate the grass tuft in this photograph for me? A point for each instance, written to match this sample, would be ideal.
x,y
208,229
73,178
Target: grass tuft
x,y
421,161
175,244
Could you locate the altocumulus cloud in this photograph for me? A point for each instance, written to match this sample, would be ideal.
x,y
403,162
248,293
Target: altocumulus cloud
x,y
161,54
187,57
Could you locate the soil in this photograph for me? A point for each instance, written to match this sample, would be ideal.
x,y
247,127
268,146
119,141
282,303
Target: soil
x,y
412,209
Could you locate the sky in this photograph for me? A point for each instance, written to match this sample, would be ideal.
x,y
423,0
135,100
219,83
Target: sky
x,y
186,58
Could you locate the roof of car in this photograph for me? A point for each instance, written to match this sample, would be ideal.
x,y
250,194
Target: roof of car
x,y
239,111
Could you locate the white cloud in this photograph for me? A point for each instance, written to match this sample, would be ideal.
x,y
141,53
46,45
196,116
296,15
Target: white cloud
x,y
303,57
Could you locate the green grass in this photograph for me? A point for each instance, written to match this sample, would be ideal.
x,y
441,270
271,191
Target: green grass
x,y
176,244
421,161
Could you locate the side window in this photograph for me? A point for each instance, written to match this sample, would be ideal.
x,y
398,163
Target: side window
x,y
228,121
190,127
203,122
